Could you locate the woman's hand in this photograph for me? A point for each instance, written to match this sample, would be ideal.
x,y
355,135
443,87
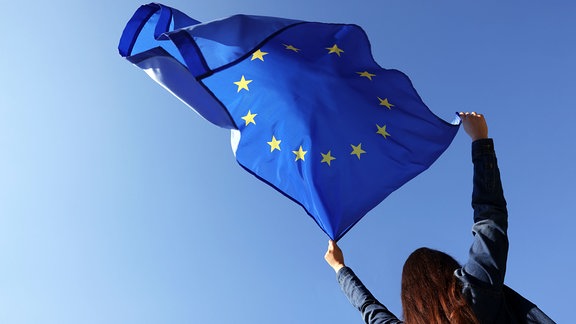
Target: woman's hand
x,y
474,125
334,256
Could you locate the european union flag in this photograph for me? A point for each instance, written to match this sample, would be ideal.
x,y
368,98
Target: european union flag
x,y
311,113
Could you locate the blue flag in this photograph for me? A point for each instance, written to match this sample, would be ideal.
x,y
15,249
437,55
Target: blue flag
x,y
311,113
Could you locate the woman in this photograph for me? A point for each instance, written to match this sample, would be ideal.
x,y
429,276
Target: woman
x,y
435,288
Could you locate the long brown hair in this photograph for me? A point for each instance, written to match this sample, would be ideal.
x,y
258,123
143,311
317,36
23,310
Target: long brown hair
x,y
431,293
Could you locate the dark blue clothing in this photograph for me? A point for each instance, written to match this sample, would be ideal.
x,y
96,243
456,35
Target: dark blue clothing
x,y
482,277
372,310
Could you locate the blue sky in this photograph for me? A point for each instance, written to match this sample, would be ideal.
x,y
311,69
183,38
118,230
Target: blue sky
x,y
119,204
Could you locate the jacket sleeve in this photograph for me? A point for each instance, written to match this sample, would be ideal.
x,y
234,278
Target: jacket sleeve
x,y
486,265
373,312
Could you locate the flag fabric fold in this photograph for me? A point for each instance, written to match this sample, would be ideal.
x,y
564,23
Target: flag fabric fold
x,y
312,114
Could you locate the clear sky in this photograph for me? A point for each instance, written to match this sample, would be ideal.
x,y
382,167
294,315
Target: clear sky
x,y
119,204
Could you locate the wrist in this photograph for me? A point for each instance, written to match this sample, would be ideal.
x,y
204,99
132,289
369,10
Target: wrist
x,y
478,137
338,266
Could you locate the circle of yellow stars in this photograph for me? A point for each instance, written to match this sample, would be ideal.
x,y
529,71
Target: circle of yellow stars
x,y
274,143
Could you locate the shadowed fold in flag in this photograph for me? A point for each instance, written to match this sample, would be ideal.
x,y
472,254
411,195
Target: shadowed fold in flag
x,y
311,113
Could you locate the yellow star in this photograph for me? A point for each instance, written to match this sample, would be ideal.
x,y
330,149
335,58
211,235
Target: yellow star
x,y
249,118
334,49
300,154
382,131
274,144
366,74
258,55
292,48
384,102
357,150
243,84
327,158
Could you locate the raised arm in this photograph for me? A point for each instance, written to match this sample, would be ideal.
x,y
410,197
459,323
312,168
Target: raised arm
x,y
373,312
483,275
486,266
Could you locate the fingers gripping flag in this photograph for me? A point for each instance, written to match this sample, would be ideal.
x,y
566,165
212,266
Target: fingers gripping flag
x,y
310,111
